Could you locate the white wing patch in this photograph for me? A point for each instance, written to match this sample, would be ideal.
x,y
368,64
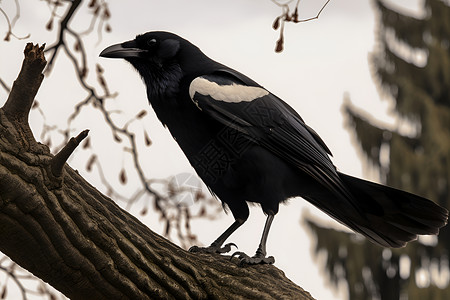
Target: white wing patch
x,y
228,93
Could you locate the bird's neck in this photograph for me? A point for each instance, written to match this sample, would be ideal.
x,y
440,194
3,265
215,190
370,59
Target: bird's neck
x,y
163,84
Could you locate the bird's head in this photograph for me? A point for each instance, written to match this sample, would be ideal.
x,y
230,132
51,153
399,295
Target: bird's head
x,y
149,53
160,58
156,46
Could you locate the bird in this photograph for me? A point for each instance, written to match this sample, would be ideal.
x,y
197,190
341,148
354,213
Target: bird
x,y
250,146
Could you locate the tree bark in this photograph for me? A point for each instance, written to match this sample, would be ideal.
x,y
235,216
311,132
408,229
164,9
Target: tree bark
x,y
59,227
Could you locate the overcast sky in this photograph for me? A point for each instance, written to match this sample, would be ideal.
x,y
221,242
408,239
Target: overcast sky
x,y
323,60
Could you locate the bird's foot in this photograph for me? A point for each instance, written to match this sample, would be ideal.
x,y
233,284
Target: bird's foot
x,y
257,259
212,249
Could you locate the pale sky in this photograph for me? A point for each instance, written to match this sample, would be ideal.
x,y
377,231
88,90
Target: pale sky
x,y
322,60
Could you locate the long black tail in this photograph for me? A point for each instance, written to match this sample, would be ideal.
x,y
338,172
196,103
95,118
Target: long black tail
x,y
387,216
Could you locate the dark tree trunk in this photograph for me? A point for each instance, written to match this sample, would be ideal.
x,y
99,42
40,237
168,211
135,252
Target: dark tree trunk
x,y
60,228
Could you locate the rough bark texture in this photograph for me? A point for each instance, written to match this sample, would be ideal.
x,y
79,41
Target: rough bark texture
x,y
59,227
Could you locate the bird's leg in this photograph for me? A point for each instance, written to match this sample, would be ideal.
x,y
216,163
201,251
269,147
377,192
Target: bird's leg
x,y
261,251
216,246
260,256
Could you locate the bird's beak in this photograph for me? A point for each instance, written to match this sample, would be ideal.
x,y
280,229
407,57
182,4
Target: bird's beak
x,y
123,50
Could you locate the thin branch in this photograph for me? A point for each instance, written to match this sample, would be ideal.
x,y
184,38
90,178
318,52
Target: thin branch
x,y
80,48
10,33
63,25
17,15
5,86
316,17
286,16
12,275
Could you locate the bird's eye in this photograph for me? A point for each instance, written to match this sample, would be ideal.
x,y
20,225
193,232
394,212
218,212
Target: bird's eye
x,y
151,42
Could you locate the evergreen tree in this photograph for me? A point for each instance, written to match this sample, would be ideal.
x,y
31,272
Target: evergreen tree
x,y
412,66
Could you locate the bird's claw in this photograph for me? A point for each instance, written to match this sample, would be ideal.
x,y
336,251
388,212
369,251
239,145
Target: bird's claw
x,y
227,248
244,259
213,249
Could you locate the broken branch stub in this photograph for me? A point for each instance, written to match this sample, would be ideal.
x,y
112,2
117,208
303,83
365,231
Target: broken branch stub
x,y
27,84
58,161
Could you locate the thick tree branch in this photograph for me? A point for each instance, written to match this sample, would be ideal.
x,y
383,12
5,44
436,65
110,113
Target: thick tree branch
x,y
67,233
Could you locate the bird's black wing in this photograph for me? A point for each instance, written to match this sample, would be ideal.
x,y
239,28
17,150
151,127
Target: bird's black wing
x,y
240,103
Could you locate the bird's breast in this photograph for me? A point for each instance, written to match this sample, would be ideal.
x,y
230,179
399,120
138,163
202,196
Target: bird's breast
x,y
211,147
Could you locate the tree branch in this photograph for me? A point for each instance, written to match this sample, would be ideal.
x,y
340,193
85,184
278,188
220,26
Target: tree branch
x,y
27,84
84,245
63,25
287,16
57,162
5,86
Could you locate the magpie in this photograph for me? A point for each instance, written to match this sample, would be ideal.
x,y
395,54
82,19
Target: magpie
x,y
248,145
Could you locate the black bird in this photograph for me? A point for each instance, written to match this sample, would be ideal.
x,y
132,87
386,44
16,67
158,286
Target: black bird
x,y
248,145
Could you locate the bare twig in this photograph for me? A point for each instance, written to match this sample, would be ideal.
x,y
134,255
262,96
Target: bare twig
x,y
5,86
286,16
63,25
17,15
10,273
10,24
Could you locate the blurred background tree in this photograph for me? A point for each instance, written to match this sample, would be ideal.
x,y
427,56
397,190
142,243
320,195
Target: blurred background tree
x,y
411,66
